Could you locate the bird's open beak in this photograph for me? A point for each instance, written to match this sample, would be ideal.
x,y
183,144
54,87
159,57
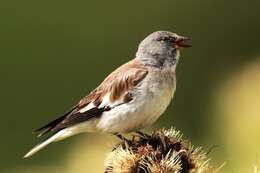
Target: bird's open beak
x,y
183,42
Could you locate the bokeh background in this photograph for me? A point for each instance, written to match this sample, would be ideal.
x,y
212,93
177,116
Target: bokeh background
x,y
52,53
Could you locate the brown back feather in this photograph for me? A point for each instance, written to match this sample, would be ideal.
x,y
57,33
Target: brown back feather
x,y
123,79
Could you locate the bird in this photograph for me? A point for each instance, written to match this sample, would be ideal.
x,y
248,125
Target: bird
x,y
129,99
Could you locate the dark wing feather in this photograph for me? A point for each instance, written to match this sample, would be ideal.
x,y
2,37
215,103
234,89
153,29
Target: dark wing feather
x,y
80,117
48,127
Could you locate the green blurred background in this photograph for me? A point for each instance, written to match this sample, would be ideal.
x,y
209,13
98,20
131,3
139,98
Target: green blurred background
x,y
52,53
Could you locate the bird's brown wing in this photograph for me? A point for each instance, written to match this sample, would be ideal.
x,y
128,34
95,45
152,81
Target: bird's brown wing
x,y
118,86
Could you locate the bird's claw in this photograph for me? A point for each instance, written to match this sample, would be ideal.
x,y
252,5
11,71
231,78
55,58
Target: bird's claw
x,y
143,135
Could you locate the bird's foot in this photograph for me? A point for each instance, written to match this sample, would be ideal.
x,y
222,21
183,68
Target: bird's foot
x,y
120,136
143,135
125,141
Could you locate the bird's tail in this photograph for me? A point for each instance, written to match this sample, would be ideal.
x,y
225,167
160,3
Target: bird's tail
x,y
57,136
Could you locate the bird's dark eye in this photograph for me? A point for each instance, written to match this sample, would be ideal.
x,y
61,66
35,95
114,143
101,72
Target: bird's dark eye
x,y
167,39
162,39
174,39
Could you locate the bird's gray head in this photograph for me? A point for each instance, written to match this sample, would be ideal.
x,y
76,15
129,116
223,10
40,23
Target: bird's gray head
x,y
161,49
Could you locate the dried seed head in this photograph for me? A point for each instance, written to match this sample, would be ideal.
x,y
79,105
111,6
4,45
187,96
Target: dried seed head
x,y
163,152
121,161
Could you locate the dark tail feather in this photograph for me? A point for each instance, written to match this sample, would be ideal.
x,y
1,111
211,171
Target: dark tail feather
x,y
48,127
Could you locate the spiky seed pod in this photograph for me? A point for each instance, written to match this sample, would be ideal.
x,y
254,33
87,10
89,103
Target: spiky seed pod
x,y
163,152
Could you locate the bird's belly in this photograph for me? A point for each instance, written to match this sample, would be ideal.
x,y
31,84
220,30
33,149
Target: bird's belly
x,y
142,112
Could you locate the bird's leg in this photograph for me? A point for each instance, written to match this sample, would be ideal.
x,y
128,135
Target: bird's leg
x,y
120,136
144,135
125,141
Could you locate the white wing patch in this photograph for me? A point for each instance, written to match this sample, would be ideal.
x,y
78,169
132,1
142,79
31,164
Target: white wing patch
x,y
86,108
105,102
